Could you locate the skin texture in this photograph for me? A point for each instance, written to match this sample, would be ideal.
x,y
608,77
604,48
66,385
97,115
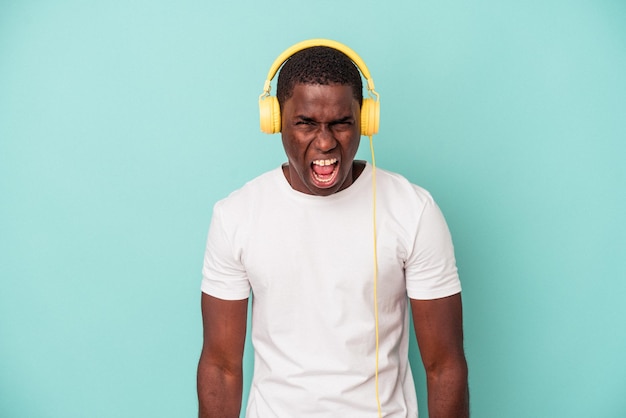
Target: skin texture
x,y
322,122
439,330
220,377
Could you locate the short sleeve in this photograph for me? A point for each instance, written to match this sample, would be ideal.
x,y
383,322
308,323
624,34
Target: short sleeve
x,y
223,274
430,269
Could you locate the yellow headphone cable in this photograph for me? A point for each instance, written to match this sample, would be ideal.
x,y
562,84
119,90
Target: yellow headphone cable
x,y
375,273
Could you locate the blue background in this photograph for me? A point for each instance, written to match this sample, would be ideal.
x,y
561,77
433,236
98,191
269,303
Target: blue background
x,y
122,122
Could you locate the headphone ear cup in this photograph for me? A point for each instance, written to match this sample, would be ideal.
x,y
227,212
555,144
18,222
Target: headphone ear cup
x,y
269,110
370,116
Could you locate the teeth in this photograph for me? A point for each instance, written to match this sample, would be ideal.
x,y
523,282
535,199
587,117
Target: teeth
x,y
323,180
325,162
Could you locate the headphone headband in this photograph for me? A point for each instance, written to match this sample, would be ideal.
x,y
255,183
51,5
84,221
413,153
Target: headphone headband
x,y
356,59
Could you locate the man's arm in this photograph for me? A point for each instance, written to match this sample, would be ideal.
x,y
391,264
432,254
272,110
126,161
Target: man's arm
x,y
439,330
220,377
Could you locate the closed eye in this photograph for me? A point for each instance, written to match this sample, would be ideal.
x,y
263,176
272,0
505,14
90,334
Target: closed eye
x,y
303,120
342,124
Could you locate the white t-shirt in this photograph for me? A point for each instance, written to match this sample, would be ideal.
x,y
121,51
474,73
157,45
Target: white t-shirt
x,y
309,263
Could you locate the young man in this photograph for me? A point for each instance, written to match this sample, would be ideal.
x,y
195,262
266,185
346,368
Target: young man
x,y
300,238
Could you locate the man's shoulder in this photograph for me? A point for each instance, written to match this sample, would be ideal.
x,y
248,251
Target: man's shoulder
x,y
252,190
395,183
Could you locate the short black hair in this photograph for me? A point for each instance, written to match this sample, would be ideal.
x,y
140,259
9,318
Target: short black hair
x,y
318,65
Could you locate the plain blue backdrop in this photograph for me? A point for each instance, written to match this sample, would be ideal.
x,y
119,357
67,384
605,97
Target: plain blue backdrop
x,y
122,123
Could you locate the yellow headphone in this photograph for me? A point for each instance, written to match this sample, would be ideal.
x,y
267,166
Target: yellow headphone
x,y
270,110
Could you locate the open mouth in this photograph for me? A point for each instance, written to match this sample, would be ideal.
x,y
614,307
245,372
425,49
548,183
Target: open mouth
x,y
325,171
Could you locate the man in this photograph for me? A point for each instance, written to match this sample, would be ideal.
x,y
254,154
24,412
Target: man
x,y
300,238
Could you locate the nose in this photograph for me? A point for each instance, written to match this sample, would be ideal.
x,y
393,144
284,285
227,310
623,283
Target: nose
x,y
325,140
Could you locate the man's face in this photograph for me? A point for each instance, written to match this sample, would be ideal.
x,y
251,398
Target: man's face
x,y
321,130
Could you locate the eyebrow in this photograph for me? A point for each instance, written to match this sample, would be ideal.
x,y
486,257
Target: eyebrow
x,y
305,118
340,120
344,119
